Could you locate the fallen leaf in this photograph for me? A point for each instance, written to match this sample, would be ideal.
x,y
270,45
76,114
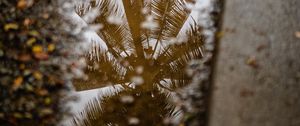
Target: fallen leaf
x,y
17,83
37,75
27,22
46,111
51,47
22,4
46,16
41,56
251,61
42,92
48,100
24,57
9,26
30,41
29,88
37,49
34,33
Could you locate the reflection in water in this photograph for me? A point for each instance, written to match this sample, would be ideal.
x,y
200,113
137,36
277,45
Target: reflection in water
x,y
148,47
130,107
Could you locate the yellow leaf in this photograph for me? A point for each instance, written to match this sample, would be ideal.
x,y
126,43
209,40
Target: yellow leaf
x,y
51,47
37,49
11,26
34,33
30,41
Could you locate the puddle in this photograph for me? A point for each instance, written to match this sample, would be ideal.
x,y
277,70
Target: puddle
x,y
138,60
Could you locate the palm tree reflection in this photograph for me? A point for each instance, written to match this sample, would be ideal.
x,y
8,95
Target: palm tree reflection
x,y
148,49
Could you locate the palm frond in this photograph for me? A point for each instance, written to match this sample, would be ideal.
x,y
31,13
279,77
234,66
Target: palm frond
x,y
172,72
177,18
116,35
103,72
177,82
191,48
176,57
170,15
82,7
114,111
90,113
